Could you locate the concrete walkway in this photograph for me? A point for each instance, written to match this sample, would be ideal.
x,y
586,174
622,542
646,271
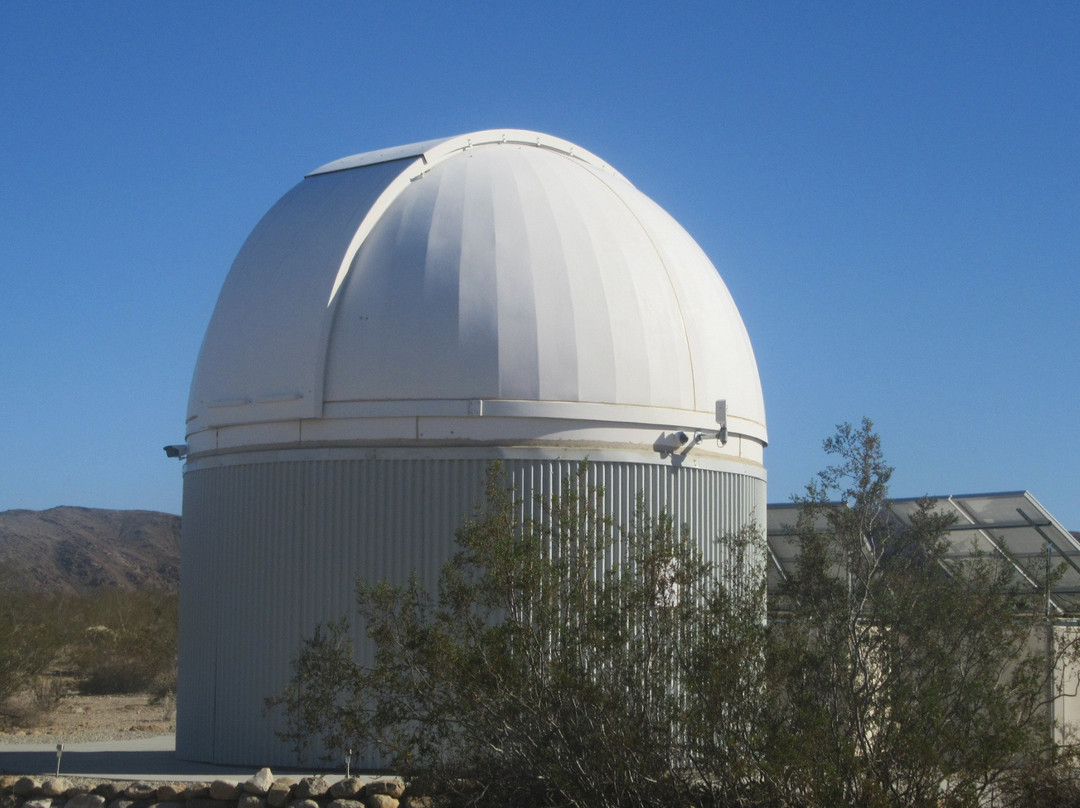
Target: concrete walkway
x,y
151,759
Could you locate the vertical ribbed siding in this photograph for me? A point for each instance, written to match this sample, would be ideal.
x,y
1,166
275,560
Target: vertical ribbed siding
x,y
270,550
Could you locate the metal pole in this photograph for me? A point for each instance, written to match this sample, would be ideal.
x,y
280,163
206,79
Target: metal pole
x,y
1050,661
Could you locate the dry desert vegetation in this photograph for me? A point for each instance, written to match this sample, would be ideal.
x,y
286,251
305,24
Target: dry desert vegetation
x,y
75,718
88,624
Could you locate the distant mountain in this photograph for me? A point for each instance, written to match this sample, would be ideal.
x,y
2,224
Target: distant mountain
x,y
77,550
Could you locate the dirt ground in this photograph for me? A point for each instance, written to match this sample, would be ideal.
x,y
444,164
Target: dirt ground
x,y
76,718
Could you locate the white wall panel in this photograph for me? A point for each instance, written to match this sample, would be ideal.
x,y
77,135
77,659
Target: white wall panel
x,y
273,549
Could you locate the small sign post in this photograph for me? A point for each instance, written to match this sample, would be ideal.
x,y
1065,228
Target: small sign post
x,y
59,753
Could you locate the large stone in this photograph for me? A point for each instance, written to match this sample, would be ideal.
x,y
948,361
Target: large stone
x,y
251,801
141,791
260,783
77,790
346,788
54,787
164,804
38,802
25,786
391,787
8,780
167,792
310,788
380,801
9,800
196,790
224,790
110,789
303,804
86,801
280,792
123,802
345,804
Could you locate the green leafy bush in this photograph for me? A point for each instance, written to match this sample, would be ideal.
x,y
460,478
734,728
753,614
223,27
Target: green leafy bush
x,y
899,675
542,674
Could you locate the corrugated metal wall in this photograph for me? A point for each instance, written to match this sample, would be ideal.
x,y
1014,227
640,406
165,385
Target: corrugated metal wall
x,y
272,549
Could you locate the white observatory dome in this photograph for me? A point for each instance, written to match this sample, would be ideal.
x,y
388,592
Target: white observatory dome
x,y
502,273
397,322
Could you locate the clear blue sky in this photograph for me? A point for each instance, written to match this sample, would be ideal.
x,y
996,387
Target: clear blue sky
x,y
890,190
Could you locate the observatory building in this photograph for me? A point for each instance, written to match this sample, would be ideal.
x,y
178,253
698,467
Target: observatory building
x,y
395,323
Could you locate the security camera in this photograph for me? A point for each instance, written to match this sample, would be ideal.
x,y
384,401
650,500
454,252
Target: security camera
x,y
682,438
179,451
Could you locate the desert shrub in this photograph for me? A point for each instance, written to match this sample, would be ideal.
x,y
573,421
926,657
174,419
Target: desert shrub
x,y
902,675
21,710
110,641
114,677
1042,786
31,639
47,690
125,641
541,674
538,674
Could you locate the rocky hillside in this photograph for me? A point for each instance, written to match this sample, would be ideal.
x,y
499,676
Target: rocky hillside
x,y
77,550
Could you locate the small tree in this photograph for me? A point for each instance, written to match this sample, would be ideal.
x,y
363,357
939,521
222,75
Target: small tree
x,y
542,673
899,676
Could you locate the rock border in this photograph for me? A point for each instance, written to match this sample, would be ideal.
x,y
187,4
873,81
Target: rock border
x,y
262,790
